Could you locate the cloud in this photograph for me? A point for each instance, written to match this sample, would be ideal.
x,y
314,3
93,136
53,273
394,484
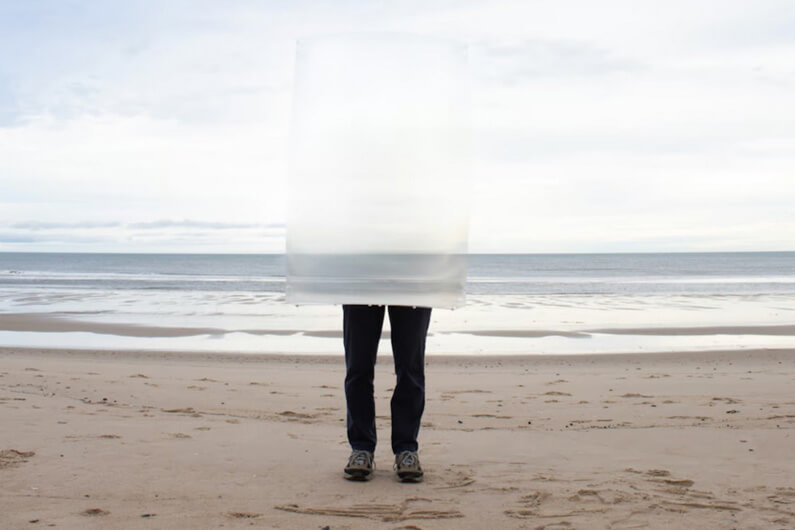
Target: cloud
x,y
39,225
157,236
165,223
513,63
17,238
152,126
52,237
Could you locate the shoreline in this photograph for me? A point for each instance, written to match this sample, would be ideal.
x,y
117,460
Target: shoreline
x,y
243,322
321,334
440,359
59,322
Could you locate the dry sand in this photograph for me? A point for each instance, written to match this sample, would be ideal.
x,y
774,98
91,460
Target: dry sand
x,y
94,439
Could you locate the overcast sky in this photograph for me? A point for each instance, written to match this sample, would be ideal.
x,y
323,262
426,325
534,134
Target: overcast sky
x,y
599,126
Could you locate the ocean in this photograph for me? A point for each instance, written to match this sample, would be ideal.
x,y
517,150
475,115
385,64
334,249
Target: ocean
x,y
488,274
516,303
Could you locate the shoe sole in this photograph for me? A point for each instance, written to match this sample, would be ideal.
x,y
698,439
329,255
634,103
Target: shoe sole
x,y
410,476
358,475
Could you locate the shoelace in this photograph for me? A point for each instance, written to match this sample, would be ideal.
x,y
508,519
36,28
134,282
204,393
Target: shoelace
x,y
408,459
359,458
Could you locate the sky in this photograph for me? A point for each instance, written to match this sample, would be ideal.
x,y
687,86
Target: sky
x,y
597,126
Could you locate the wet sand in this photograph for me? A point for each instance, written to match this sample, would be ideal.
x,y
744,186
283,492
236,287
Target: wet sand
x,y
136,439
62,322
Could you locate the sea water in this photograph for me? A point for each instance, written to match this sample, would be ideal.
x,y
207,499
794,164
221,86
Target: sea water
x,y
516,303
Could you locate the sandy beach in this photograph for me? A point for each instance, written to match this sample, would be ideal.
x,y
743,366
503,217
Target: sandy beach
x,y
136,439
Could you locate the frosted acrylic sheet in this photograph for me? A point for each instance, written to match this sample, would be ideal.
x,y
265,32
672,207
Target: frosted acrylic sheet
x,y
378,207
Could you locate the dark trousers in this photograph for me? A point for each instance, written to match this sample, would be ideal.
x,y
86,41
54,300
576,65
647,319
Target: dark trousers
x,y
361,333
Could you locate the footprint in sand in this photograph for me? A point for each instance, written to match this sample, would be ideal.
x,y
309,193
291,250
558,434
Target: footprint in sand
x,y
179,435
727,400
527,505
243,515
300,417
624,500
184,410
12,457
456,479
382,512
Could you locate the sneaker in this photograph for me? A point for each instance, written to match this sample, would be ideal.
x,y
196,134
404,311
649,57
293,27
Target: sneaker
x,y
360,465
407,465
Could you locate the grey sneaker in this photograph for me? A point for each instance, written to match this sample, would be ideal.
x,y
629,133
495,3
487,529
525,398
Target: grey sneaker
x,y
360,465
407,465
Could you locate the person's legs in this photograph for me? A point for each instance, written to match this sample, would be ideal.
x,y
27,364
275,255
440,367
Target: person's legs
x,y
409,331
361,330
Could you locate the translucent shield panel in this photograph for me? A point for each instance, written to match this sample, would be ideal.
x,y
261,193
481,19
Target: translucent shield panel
x,y
378,207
